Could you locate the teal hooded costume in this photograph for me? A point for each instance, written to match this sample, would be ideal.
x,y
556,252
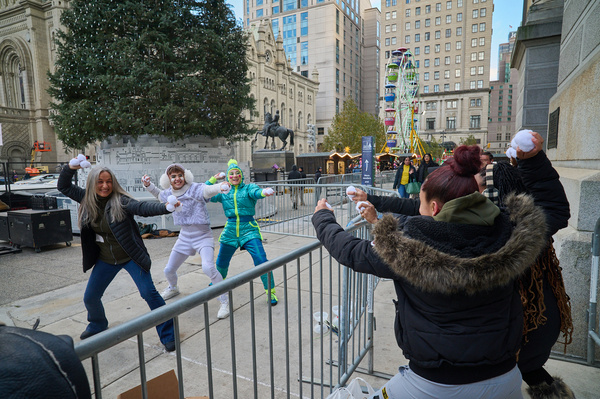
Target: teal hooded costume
x,y
239,207
241,230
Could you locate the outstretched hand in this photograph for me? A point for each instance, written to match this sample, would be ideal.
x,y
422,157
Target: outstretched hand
x,y
359,195
146,180
367,211
323,204
537,141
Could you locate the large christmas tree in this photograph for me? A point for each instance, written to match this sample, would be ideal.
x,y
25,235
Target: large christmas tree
x,y
161,67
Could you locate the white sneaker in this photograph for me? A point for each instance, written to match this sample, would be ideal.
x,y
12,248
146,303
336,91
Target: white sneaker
x,y
169,292
223,311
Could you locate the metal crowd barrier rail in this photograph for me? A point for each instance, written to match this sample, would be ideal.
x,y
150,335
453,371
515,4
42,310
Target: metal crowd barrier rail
x,y
593,337
276,214
293,349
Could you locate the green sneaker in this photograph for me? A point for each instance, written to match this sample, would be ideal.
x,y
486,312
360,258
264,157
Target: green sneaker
x,y
273,298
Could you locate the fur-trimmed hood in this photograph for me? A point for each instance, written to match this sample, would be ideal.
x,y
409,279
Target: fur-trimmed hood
x,y
434,269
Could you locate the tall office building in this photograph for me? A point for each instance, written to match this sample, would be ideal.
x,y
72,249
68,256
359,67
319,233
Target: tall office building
x,y
451,42
503,94
325,35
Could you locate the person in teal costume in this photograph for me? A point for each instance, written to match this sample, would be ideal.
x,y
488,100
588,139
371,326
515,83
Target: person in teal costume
x,y
241,230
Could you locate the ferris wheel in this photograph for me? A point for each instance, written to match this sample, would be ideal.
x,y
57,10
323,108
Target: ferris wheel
x,y
402,103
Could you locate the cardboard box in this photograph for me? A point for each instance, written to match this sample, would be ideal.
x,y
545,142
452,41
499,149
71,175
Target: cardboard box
x,y
165,386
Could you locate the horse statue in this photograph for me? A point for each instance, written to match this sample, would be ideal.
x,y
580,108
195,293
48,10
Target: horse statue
x,y
275,131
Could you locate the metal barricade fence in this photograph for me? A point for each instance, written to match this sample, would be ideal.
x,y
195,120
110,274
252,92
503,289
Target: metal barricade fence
x,y
593,338
297,345
276,214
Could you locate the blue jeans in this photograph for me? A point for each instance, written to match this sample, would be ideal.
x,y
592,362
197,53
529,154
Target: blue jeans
x,y
255,249
101,276
402,191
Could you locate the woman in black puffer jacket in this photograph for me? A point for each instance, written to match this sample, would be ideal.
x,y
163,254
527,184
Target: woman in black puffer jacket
x,y
110,242
458,314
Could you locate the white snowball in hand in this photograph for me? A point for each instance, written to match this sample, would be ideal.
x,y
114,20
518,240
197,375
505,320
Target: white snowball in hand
x,y
350,192
81,157
222,175
268,191
171,199
146,179
85,164
225,188
170,207
74,162
358,205
511,153
328,206
522,140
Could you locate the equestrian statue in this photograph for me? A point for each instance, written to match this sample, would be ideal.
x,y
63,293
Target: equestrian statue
x,y
273,129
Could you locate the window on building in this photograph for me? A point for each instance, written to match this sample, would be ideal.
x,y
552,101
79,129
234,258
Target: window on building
x,y
446,86
480,70
418,37
498,136
275,10
427,36
407,26
387,55
407,13
437,48
425,89
481,55
448,32
388,16
436,88
482,27
475,13
436,75
418,24
474,28
458,45
459,17
417,50
448,46
436,62
426,63
438,20
472,84
426,51
448,19
473,71
482,12
482,41
457,60
457,73
427,9
473,42
451,104
407,39
426,76
337,80
393,42
480,84
418,11
451,122
438,7
459,3
388,29
427,22
447,60
438,34
430,123
475,121
473,56
446,74
459,31
457,86
387,41
393,14
448,5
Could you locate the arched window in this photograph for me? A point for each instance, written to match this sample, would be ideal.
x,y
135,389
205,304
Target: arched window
x,y
13,81
282,114
299,120
309,119
291,116
273,107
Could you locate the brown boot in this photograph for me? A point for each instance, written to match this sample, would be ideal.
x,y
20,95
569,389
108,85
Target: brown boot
x,y
557,390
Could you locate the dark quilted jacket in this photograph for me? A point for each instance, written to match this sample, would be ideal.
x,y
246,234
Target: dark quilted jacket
x,y
126,232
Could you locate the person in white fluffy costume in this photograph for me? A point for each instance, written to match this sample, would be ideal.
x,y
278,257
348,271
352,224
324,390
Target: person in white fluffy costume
x,y
195,234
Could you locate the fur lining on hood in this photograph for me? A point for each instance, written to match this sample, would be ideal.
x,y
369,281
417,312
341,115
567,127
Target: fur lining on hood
x,y
431,270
